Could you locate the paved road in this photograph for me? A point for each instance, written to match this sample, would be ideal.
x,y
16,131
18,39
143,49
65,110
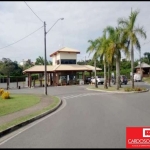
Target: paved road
x,y
86,119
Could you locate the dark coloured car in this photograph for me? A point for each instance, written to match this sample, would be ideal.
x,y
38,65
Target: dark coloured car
x,y
87,80
123,79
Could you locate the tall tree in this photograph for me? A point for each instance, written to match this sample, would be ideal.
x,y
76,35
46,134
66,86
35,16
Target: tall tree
x,y
40,61
93,49
117,43
102,44
131,32
147,55
6,67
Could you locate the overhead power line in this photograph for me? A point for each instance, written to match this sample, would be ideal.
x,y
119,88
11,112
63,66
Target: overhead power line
x,y
22,38
33,12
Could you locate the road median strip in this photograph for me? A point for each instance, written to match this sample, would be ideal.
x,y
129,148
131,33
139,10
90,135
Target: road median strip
x,y
117,91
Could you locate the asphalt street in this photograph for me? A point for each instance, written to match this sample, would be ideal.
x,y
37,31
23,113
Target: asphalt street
x,y
87,119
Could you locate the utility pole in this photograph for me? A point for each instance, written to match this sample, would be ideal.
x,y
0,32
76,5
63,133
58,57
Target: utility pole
x,y
45,60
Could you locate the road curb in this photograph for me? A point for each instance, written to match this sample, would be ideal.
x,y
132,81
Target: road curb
x,y
118,92
15,127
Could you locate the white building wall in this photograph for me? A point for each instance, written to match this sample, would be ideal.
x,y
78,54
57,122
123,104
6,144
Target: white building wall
x,y
63,55
54,60
58,56
68,56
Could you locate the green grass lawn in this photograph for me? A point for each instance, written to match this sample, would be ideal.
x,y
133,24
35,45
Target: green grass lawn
x,y
32,115
101,87
147,79
17,102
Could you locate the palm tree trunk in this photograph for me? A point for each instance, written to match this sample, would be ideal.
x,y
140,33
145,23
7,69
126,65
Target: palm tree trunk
x,y
109,75
117,73
95,74
132,65
105,76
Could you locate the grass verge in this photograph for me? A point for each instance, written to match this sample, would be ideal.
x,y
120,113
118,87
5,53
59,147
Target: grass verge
x,y
17,102
24,118
112,88
122,89
147,79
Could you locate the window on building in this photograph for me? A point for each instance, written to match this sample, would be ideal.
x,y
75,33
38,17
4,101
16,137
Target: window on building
x,y
68,61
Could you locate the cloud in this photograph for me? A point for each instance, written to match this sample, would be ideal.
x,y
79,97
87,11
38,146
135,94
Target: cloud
x,y
83,21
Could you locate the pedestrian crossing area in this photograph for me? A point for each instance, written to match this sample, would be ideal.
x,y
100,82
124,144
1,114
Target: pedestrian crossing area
x,y
83,94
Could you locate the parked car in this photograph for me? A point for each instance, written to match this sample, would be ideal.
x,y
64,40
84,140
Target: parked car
x,y
137,77
100,80
123,79
87,80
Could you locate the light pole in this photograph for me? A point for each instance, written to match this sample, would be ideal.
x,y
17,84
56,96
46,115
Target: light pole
x,y
45,60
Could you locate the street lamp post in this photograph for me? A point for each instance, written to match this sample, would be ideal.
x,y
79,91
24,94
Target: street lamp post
x,y
45,60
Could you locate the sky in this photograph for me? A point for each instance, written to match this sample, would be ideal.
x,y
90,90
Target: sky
x,y
83,21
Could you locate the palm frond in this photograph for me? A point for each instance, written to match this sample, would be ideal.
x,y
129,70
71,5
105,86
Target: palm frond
x,y
140,32
123,22
132,18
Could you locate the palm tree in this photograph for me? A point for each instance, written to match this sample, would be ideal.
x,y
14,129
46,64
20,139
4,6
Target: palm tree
x,y
102,44
131,32
92,49
116,45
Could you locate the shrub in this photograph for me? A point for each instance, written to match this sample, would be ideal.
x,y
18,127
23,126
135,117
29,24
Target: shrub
x,y
129,89
137,89
1,91
5,95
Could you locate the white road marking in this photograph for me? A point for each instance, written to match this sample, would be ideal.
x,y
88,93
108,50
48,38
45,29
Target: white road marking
x,y
33,124
81,95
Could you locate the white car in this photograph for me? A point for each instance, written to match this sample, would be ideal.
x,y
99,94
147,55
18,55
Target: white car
x,y
99,80
137,77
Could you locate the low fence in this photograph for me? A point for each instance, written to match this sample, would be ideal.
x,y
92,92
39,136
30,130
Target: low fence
x,y
12,79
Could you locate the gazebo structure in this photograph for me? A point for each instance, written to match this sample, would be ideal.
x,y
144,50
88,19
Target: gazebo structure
x,y
64,69
145,69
